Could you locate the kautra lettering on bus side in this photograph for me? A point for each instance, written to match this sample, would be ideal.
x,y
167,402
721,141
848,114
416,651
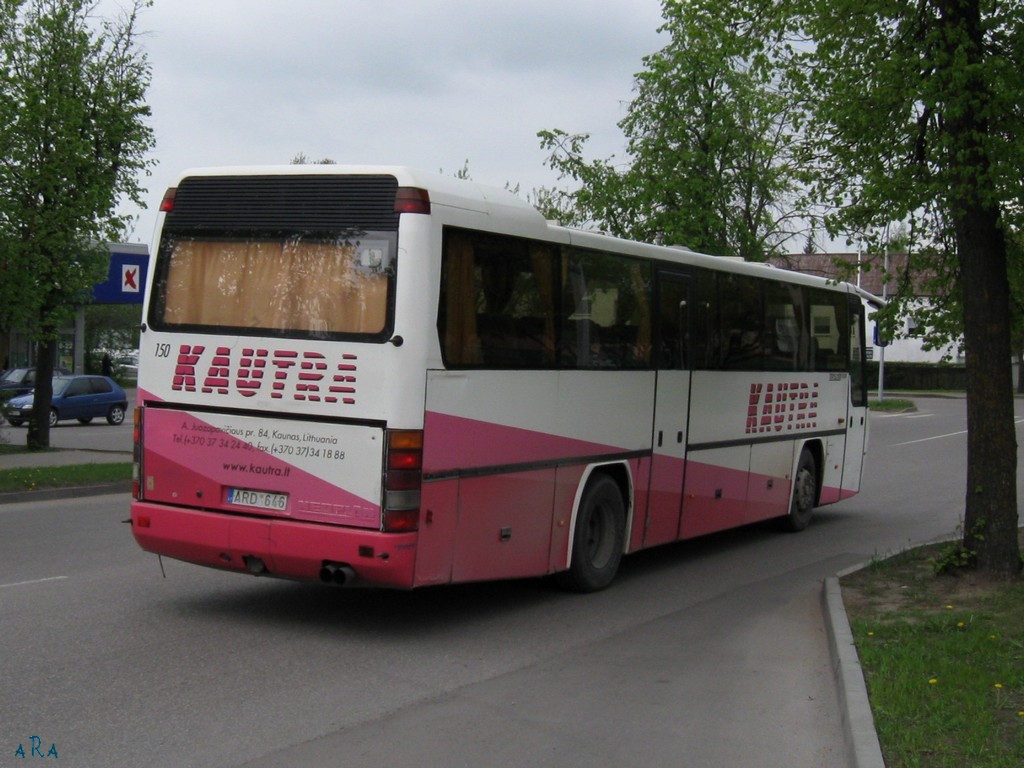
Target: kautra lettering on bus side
x,y
303,376
775,406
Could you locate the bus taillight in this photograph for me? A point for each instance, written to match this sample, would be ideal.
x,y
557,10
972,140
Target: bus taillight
x,y
412,200
403,472
137,454
167,204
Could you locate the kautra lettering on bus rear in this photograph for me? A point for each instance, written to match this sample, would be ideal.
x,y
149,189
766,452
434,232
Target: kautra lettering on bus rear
x,y
284,373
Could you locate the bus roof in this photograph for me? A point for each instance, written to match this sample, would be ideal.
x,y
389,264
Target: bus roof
x,y
468,195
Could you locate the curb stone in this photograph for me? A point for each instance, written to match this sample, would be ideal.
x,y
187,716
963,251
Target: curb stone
x,y
52,494
858,722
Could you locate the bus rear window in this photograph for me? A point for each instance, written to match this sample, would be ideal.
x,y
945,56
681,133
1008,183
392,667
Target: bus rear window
x,y
294,286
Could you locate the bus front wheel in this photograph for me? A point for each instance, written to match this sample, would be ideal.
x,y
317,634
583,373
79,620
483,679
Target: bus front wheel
x,y
805,494
598,537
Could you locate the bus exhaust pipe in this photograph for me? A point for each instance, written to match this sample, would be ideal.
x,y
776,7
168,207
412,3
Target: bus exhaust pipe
x,y
339,574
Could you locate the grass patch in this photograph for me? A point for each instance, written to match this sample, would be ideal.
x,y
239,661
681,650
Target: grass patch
x,y
943,658
892,404
32,478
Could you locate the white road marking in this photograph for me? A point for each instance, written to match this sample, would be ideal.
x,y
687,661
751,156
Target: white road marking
x,y
935,437
33,581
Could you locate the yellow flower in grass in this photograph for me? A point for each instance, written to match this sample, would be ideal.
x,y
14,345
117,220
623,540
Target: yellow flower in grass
x,y
1000,696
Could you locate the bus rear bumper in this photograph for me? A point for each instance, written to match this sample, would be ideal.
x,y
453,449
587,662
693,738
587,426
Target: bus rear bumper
x,y
286,549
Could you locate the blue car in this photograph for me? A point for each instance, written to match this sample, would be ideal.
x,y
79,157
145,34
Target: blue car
x,y
20,381
75,397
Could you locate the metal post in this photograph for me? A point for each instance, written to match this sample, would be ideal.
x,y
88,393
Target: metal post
x,y
881,349
79,348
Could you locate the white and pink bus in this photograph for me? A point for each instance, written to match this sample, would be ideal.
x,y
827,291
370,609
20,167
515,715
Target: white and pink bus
x,y
371,375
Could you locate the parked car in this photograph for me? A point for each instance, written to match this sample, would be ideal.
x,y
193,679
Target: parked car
x,y
75,397
20,381
127,366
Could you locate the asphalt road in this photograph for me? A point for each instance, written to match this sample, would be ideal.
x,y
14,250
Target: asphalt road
x,y
707,653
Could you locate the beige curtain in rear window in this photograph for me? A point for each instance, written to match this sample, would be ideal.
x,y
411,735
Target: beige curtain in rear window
x,y
293,286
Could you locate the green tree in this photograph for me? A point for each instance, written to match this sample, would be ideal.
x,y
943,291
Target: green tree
x,y
912,112
708,137
73,142
109,328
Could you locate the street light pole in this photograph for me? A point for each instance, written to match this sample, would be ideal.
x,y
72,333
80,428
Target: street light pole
x,y
881,337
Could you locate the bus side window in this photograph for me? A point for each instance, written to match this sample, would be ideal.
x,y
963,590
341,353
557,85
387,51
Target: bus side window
x,y
707,346
457,315
497,301
829,331
606,301
741,322
786,348
673,323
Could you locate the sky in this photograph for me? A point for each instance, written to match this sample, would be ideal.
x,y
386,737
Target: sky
x,y
432,84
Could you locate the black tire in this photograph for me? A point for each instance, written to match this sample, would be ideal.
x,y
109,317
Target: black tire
x,y
598,537
15,422
115,415
805,494
54,417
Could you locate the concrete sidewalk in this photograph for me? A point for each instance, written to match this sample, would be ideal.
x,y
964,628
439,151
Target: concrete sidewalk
x,y
56,457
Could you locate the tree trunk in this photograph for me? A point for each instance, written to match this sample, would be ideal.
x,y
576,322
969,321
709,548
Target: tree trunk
x,y
38,436
990,515
990,518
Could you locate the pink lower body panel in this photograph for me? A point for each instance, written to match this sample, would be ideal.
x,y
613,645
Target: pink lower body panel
x,y
287,548
830,495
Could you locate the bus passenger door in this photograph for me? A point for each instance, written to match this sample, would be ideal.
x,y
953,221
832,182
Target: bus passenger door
x,y
671,408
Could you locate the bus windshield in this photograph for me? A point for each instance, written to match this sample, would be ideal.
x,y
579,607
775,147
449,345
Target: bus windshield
x,y
314,287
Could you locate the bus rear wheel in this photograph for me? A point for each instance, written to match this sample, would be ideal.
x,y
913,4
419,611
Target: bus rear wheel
x,y
598,537
805,494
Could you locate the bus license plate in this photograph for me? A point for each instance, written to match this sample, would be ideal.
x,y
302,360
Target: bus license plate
x,y
260,499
